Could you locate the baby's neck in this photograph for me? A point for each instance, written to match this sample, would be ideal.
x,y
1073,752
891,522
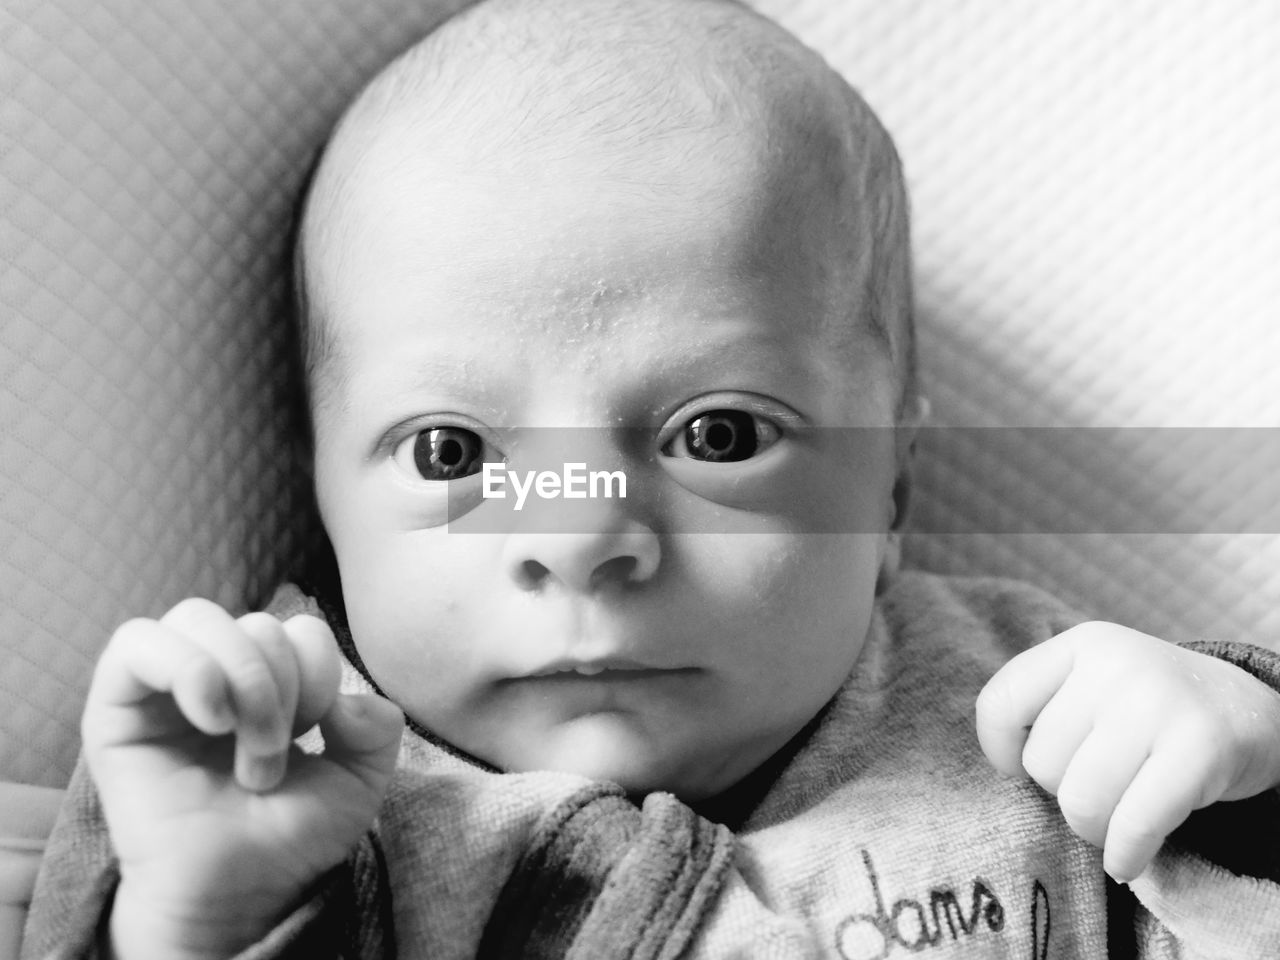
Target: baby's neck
x,y
733,807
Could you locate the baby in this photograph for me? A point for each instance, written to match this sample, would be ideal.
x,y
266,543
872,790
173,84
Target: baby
x,y
663,240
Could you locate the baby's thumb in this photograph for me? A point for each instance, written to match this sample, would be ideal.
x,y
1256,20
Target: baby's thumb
x,y
362,734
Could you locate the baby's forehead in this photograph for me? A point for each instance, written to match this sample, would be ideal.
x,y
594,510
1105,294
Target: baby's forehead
x,y
779,170
516,77
702,88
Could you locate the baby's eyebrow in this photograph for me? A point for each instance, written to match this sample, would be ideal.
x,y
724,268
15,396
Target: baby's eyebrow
x,y
458,377
760,351
743,360
436,367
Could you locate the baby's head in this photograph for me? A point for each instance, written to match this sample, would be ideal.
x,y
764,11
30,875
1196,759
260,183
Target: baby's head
x,y
664,221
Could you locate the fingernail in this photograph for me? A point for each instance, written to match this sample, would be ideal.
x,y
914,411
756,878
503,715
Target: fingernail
x,y
307,623
261,774
223,718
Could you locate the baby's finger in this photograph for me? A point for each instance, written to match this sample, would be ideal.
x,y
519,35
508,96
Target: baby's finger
x,y
262,724
1010,702
142,658
1056,734
269,634
319,666
1163,793
362,734
1096,778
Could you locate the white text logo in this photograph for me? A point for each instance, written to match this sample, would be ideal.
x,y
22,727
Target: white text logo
x,y
575,482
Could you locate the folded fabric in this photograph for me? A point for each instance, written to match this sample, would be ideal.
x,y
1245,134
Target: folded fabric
x,y
27,814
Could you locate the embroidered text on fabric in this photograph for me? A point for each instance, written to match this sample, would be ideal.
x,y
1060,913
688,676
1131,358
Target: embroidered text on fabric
x,y
917,925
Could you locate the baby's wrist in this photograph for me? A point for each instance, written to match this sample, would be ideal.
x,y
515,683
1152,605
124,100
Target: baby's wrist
x,y
146,927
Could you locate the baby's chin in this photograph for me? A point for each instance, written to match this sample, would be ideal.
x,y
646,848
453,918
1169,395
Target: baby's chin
x,y
610,746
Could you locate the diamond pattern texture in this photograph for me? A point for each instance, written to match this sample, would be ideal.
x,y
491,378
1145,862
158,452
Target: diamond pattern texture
x,y
1097,221
150,158
1097,231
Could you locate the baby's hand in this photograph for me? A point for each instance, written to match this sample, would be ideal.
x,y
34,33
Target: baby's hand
x,y
219,822
1131,734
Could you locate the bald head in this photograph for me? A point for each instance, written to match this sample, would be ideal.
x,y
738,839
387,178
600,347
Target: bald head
x,y
513,88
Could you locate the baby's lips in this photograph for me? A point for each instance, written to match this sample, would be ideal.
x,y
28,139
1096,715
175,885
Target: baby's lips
x,y
592,665
609,668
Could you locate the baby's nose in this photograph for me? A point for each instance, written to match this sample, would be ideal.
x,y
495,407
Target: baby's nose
x,y
624,552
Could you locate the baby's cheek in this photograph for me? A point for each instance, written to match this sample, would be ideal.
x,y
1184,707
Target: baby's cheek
x,y
433,576
725,573
795,605
414,624
773,575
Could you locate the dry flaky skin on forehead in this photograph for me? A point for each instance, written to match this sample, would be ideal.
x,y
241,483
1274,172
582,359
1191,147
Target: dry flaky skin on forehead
x,y
511,84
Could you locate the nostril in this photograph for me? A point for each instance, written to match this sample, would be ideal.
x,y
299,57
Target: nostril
x,y
531,573
614,570
623,557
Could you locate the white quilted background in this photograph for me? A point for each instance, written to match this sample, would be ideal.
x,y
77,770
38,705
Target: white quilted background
x,y
1096,205
1097,217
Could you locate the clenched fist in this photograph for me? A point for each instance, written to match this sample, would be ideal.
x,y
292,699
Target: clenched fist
x,y
219,822
1131,734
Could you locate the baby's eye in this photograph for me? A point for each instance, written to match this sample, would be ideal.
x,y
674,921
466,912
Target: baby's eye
x,y
441,453
723,436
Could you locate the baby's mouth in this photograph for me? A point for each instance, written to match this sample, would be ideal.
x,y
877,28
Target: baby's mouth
x,y
582,670
610,668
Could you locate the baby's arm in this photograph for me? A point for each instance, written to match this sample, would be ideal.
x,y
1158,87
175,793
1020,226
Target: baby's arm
x,y
219,824
1131,734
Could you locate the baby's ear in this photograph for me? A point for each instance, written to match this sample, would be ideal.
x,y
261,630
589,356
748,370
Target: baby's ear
x,y
914,415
